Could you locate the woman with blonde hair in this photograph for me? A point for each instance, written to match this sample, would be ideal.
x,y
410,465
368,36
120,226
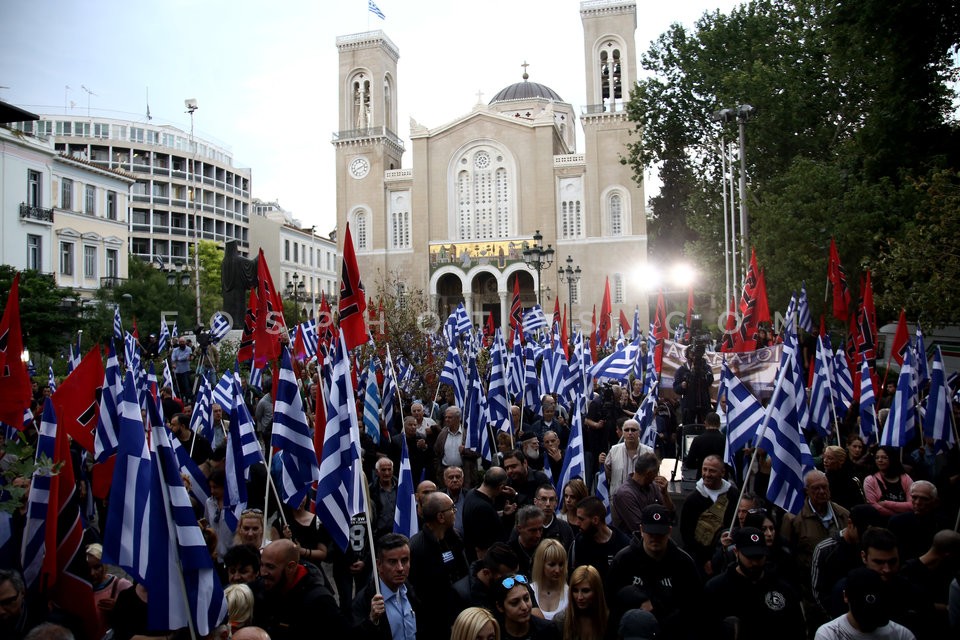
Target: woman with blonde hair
x,y
573,492
585,617
475,623
239,605
549,577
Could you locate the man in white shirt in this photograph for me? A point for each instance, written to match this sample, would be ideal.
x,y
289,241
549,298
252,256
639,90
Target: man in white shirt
x,y
868,599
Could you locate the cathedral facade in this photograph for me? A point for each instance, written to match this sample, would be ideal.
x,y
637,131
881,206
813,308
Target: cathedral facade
x,y
489,181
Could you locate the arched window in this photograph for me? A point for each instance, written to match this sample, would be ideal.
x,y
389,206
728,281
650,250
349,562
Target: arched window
x,y
400,220
361,232
618,288
360,90
484,195
570,224
615,213
387,103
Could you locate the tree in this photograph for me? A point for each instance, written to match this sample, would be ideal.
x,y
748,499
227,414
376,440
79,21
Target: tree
x,y
48,315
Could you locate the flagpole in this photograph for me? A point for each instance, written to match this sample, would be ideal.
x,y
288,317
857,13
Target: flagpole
x,y
366,513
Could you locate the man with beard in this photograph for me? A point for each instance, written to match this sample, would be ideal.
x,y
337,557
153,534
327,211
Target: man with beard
x,y
596,544
868,611
295,596
530,447
759,601
523,479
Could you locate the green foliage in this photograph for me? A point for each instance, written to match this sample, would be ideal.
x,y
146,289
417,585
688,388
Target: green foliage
x,y
211,286
22,454
48,314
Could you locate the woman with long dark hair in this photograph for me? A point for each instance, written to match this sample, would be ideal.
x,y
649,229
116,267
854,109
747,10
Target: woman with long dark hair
x,y
586,615
888,490
514,603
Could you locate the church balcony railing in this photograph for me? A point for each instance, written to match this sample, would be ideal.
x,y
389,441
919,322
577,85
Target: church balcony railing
x,y
368,132
600,109
33,212
569,160
397,174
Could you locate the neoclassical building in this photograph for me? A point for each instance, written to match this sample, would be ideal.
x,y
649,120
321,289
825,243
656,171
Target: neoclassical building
x,y
488,180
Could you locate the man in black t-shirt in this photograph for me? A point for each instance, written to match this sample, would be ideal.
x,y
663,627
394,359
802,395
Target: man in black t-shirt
x,y
596,544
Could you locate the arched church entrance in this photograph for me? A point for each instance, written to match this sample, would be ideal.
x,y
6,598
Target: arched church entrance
x,y
486,300
449,294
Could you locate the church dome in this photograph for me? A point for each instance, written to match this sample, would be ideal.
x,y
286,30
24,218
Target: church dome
x,y
526,90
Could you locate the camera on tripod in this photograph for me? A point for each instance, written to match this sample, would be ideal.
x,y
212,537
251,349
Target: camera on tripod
x,y
203,336
700,339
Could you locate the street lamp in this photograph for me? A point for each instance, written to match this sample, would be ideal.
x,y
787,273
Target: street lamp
x,y
744,112
571,276
191,105
294,289
537,258
741,114
178,276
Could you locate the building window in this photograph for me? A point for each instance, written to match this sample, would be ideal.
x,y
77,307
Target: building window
x,y
34,252
89,262
362,115
34,193
111,205
101,130
571,219
484,192
90,200
615,206
575,297
286,250
617,288
66,194
66,258
361,238
64,128
296,252
400,229
113,262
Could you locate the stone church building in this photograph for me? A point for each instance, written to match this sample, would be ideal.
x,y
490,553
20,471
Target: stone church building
x,y
486,182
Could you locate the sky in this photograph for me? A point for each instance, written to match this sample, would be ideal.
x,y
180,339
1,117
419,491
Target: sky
x,y
264,74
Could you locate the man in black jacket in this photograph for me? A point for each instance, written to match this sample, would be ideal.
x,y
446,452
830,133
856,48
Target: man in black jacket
x,y
391,613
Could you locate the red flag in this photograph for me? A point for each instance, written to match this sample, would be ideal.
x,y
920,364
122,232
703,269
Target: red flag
x,y
15,389
516,311
624,323
660,331
489,328
353,300
245,353
326,328
556,314
745,339
299,349
606,310
867,325
593,335
729,329
564,336
837,277
763,307
900,339
270,323
75,400
688,321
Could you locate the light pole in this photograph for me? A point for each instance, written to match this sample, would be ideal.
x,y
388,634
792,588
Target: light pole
x,y
191,105
570,275
729,229
294,288
744,112
314,267
537,258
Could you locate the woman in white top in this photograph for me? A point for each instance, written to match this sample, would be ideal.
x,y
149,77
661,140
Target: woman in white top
x,y
550,577
619,462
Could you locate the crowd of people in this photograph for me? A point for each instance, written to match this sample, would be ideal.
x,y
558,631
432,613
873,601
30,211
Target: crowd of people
x,y
503,552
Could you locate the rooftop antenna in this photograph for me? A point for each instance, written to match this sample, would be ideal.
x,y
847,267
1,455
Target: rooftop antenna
x,y
66,90
89,93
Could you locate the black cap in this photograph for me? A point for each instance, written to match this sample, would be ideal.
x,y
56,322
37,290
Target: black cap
x,y
656,519
868,598
638,624
864,516
750,542
527,435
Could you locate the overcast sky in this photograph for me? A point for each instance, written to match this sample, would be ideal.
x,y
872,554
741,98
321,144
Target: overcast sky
x,y
264,73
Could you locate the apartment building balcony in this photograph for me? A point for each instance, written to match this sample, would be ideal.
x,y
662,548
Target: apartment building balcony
x,y
33,212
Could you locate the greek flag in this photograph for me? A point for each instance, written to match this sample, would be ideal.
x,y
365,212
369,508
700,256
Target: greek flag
x,y
389,391
105,438
405,516
791,352
573,460
868,405
784,442
922,375
744,416
554,370
200,419
375,10
531,385
646,415
636,323
174,333
51,379
117,325
843,390
168,378
806,320
35,532
458,323
336,493
603,492
936,420
256,378
574,382
498,406
454,376
821,395
619,364
164,340
533,320
515,367
901,425
405,372
475,413
291,434
220,327
371,404
198,481
311,339
76,355
223,392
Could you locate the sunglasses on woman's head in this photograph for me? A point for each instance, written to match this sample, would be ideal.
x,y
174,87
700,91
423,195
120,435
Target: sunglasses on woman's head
x,y
512,581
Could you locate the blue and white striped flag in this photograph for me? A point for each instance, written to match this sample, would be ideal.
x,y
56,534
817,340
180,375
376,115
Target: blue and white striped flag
x,y
34,547
475,413
868,405
168,379
791,352
646,415
574,465
554,370
311,339
336,493
256,378
515,367
389,391
806,320
105,438
219,327
603,492
405,516
174,333
533,320
498,404
179,560
454,376
619,364
531,384
76,355
843,389
198,486
821,395
744,416
575,383
51,379
635,333
371,404
901,426
457,324
223,392
920,362
164,340
291,434
784,442
937,420
375,10
117,325
200,418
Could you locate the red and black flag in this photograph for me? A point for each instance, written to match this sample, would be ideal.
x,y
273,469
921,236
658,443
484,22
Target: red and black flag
x,y
353,299
15,391
837,278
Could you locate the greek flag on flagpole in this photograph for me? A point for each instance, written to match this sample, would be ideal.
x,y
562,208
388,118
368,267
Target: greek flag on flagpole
x,y
533,320
311,338
51,379
126,535
843,390
515,367
454,376
619,364
389,390
650,370
531,385
105,438
168,378
744,416
405,516
243,451
219,328
901,424
76,355
256,378
821,395
554,370
868,405
117,325
200,421
291,434
339,456
475,413
936,420
806,320
371,404
223,392
574,382
498,404
164,340
791,352
603,492
174,333
199,486
457,324
636,323
920,363
375,10
34,533
784,442
178,556
646,415
573,460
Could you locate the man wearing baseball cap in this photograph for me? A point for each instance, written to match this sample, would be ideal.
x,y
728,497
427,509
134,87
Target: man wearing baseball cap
x,y
653,573
753,599
868,615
